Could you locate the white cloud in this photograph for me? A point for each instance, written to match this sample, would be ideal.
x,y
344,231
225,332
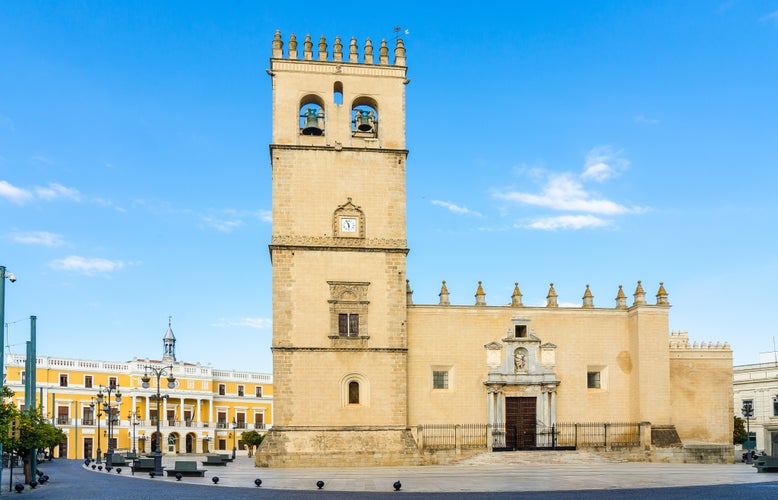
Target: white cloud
x,y
564,192
14,194
644,120
55,191
228,219
42,238
567,222
771,17
257,323
87,265
455,208
602,163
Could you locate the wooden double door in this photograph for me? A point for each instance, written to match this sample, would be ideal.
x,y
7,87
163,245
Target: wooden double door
x,y
520,422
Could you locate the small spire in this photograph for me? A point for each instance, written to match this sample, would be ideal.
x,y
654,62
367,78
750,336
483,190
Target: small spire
x,y
551,298
169,342
444,295
383,53
399,53
353,56
408,293
337,55
292,46
322,49
308,48
516,297
588,299
621,299
640,295
278,45
368,51
480,296
661,295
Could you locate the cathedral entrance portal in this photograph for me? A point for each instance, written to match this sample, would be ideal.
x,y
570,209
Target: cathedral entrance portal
x,y
520,422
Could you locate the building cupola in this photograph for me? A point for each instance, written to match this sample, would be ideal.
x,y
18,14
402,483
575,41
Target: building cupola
x,y
169,344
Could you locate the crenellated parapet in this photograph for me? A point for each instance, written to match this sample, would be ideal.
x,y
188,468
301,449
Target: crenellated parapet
x,y
679,340
552,298
336,54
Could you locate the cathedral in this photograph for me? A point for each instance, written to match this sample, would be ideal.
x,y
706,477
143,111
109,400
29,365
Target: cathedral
x,y
362,373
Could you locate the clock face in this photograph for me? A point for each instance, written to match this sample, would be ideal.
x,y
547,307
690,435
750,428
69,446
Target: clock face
x,y
348,225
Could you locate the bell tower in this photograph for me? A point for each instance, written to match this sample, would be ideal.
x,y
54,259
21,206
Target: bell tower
x,y
338,252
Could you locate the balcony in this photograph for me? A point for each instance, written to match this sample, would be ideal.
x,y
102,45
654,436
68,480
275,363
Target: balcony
x,y
63,420
87,421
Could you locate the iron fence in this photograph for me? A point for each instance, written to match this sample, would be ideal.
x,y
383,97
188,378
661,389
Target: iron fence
x,y
559,436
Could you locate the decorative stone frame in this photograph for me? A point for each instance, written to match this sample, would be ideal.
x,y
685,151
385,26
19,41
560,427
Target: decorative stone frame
x,y
347,297
348,211
364,390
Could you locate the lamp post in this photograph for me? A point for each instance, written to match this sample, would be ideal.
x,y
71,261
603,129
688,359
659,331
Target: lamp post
x,y
234,436
134,421
748,412
171,383
107,410
3,275
97,415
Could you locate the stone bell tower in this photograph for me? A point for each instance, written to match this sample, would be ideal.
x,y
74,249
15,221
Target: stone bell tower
x,y
338,253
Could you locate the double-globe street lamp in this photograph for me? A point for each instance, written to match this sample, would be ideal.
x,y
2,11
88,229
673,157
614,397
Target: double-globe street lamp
x,y
97,415
158,372
110,417
134,421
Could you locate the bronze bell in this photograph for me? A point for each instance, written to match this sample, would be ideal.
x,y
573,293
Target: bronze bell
x,y
311,122
363,121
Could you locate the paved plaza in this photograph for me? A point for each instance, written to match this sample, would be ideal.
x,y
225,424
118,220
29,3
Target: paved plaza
x,y
495,475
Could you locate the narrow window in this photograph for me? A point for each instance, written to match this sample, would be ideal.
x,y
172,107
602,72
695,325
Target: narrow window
x,y
63,380
440,379
112,382
258,391
337,91
775,406
63,415
593,380
222,389
88,381
353,392
259,421
22,377
240,391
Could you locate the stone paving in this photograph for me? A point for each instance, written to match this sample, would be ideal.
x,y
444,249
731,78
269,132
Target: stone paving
x,y
495,472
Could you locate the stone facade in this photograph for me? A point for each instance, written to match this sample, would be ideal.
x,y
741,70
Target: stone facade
x,y
358,366
757,385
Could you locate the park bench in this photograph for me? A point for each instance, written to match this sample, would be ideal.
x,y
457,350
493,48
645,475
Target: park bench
x,y
766,464
225,457
118,461
214,460
186,468
130,456
142,465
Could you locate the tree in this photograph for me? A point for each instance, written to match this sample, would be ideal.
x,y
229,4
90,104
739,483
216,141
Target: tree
x,y
252,439
35,432
739,435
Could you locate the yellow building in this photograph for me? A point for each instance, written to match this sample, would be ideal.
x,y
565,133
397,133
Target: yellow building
x,y
207,409
386,368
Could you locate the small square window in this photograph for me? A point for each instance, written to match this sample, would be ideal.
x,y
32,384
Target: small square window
x,y
88,381
112,382
593,380
63,380
440,379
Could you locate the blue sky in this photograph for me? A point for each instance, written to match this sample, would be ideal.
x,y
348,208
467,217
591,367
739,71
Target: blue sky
x,y
577,143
